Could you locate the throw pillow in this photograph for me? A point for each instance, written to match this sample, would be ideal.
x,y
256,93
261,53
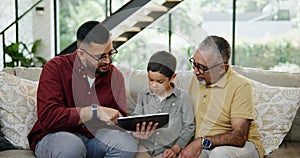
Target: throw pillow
x,y
275,109
17,108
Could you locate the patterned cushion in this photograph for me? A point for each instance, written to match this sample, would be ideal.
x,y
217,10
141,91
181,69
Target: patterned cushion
x,y
275,109
17,108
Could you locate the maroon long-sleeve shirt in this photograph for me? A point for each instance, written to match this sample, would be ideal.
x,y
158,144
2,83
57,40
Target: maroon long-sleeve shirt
x,y
64,88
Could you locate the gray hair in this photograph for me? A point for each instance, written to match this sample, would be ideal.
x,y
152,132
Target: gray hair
x,y
219,44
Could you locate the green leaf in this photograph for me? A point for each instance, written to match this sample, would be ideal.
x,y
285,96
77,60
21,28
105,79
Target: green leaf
x,y
10,64
27,62
12,49
19,53
17,56
35,46
25,48
41,60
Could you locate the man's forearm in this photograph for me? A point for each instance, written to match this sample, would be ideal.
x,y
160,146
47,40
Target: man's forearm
x,y
230,138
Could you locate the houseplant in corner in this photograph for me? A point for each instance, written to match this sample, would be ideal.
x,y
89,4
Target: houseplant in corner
x,y
21,55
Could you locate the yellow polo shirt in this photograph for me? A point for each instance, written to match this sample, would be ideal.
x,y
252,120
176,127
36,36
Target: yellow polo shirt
x,y
230,97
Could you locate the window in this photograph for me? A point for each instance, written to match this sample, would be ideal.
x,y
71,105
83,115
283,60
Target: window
x,y
75,12
267,35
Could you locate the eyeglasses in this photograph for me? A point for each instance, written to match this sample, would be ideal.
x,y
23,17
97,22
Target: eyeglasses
x,y
202,67
100,57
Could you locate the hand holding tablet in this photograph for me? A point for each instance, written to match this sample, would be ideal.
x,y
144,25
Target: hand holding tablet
x,y
130,122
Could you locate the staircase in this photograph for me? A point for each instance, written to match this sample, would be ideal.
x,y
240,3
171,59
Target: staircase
x,y
131,19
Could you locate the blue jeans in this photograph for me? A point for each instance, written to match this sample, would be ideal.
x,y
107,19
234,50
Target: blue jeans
x,y
106,144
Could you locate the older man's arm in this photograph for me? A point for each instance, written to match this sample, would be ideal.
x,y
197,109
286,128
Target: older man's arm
x,y
237,137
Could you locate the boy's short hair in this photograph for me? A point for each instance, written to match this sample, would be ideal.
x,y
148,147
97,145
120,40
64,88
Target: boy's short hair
x,y
162,62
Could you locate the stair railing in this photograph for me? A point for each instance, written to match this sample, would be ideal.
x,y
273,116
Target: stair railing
x,y
15,22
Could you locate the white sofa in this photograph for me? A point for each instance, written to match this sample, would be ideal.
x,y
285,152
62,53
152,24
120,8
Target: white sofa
x,y
277,119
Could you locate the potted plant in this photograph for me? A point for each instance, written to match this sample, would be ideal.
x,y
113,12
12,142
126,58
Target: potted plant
x,y
21,55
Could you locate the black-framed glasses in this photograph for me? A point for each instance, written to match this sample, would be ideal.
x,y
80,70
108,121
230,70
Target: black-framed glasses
x,y
202,67
103,56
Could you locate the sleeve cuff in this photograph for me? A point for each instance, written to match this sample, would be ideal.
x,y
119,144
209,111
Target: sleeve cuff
x,y
74,116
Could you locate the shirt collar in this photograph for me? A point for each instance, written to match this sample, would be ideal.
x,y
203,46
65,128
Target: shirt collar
x,y
175,91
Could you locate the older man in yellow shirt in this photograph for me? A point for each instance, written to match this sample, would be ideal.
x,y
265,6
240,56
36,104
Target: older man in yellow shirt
x,y
225,126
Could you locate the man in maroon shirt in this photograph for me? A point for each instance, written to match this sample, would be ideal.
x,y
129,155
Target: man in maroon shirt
x,y
79,98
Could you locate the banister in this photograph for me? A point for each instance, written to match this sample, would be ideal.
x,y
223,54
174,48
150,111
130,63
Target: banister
x,y
15,22
20,17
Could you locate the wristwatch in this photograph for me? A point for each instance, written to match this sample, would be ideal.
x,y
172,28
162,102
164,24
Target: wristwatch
x,y
94,108
206,143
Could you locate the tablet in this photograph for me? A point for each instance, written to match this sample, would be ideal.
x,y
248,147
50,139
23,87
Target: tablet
x,y
129,122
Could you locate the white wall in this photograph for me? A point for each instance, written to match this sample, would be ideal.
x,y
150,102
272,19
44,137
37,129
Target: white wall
x,y
43,26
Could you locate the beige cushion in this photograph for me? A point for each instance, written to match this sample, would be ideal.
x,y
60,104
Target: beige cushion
x,y
17,107
135,80
286,150
30,73
9,70
17,154
268,77
275,109
274,78
294,134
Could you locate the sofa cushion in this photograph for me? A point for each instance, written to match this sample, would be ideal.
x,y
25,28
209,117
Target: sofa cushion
x,y
294,134
275,109
135,80
274,78
17,154
30,73
268,77
287,149
17,108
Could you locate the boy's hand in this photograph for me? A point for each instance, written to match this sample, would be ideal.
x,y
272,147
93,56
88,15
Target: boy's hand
x,y
143,132
172,152
169,153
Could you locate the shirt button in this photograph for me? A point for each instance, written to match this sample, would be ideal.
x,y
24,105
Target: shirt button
x,y
82,126
84,76
155,144
79,70
204,96
159,110
89,92
157,133
173,104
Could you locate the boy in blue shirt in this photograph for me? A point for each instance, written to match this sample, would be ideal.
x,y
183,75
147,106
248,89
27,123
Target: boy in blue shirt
x,y
161,96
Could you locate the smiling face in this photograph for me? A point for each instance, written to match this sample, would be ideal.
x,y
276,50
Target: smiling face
x,y
89,53
159,83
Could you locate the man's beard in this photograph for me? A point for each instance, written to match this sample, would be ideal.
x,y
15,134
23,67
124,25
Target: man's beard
x,y
92,68
203,82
